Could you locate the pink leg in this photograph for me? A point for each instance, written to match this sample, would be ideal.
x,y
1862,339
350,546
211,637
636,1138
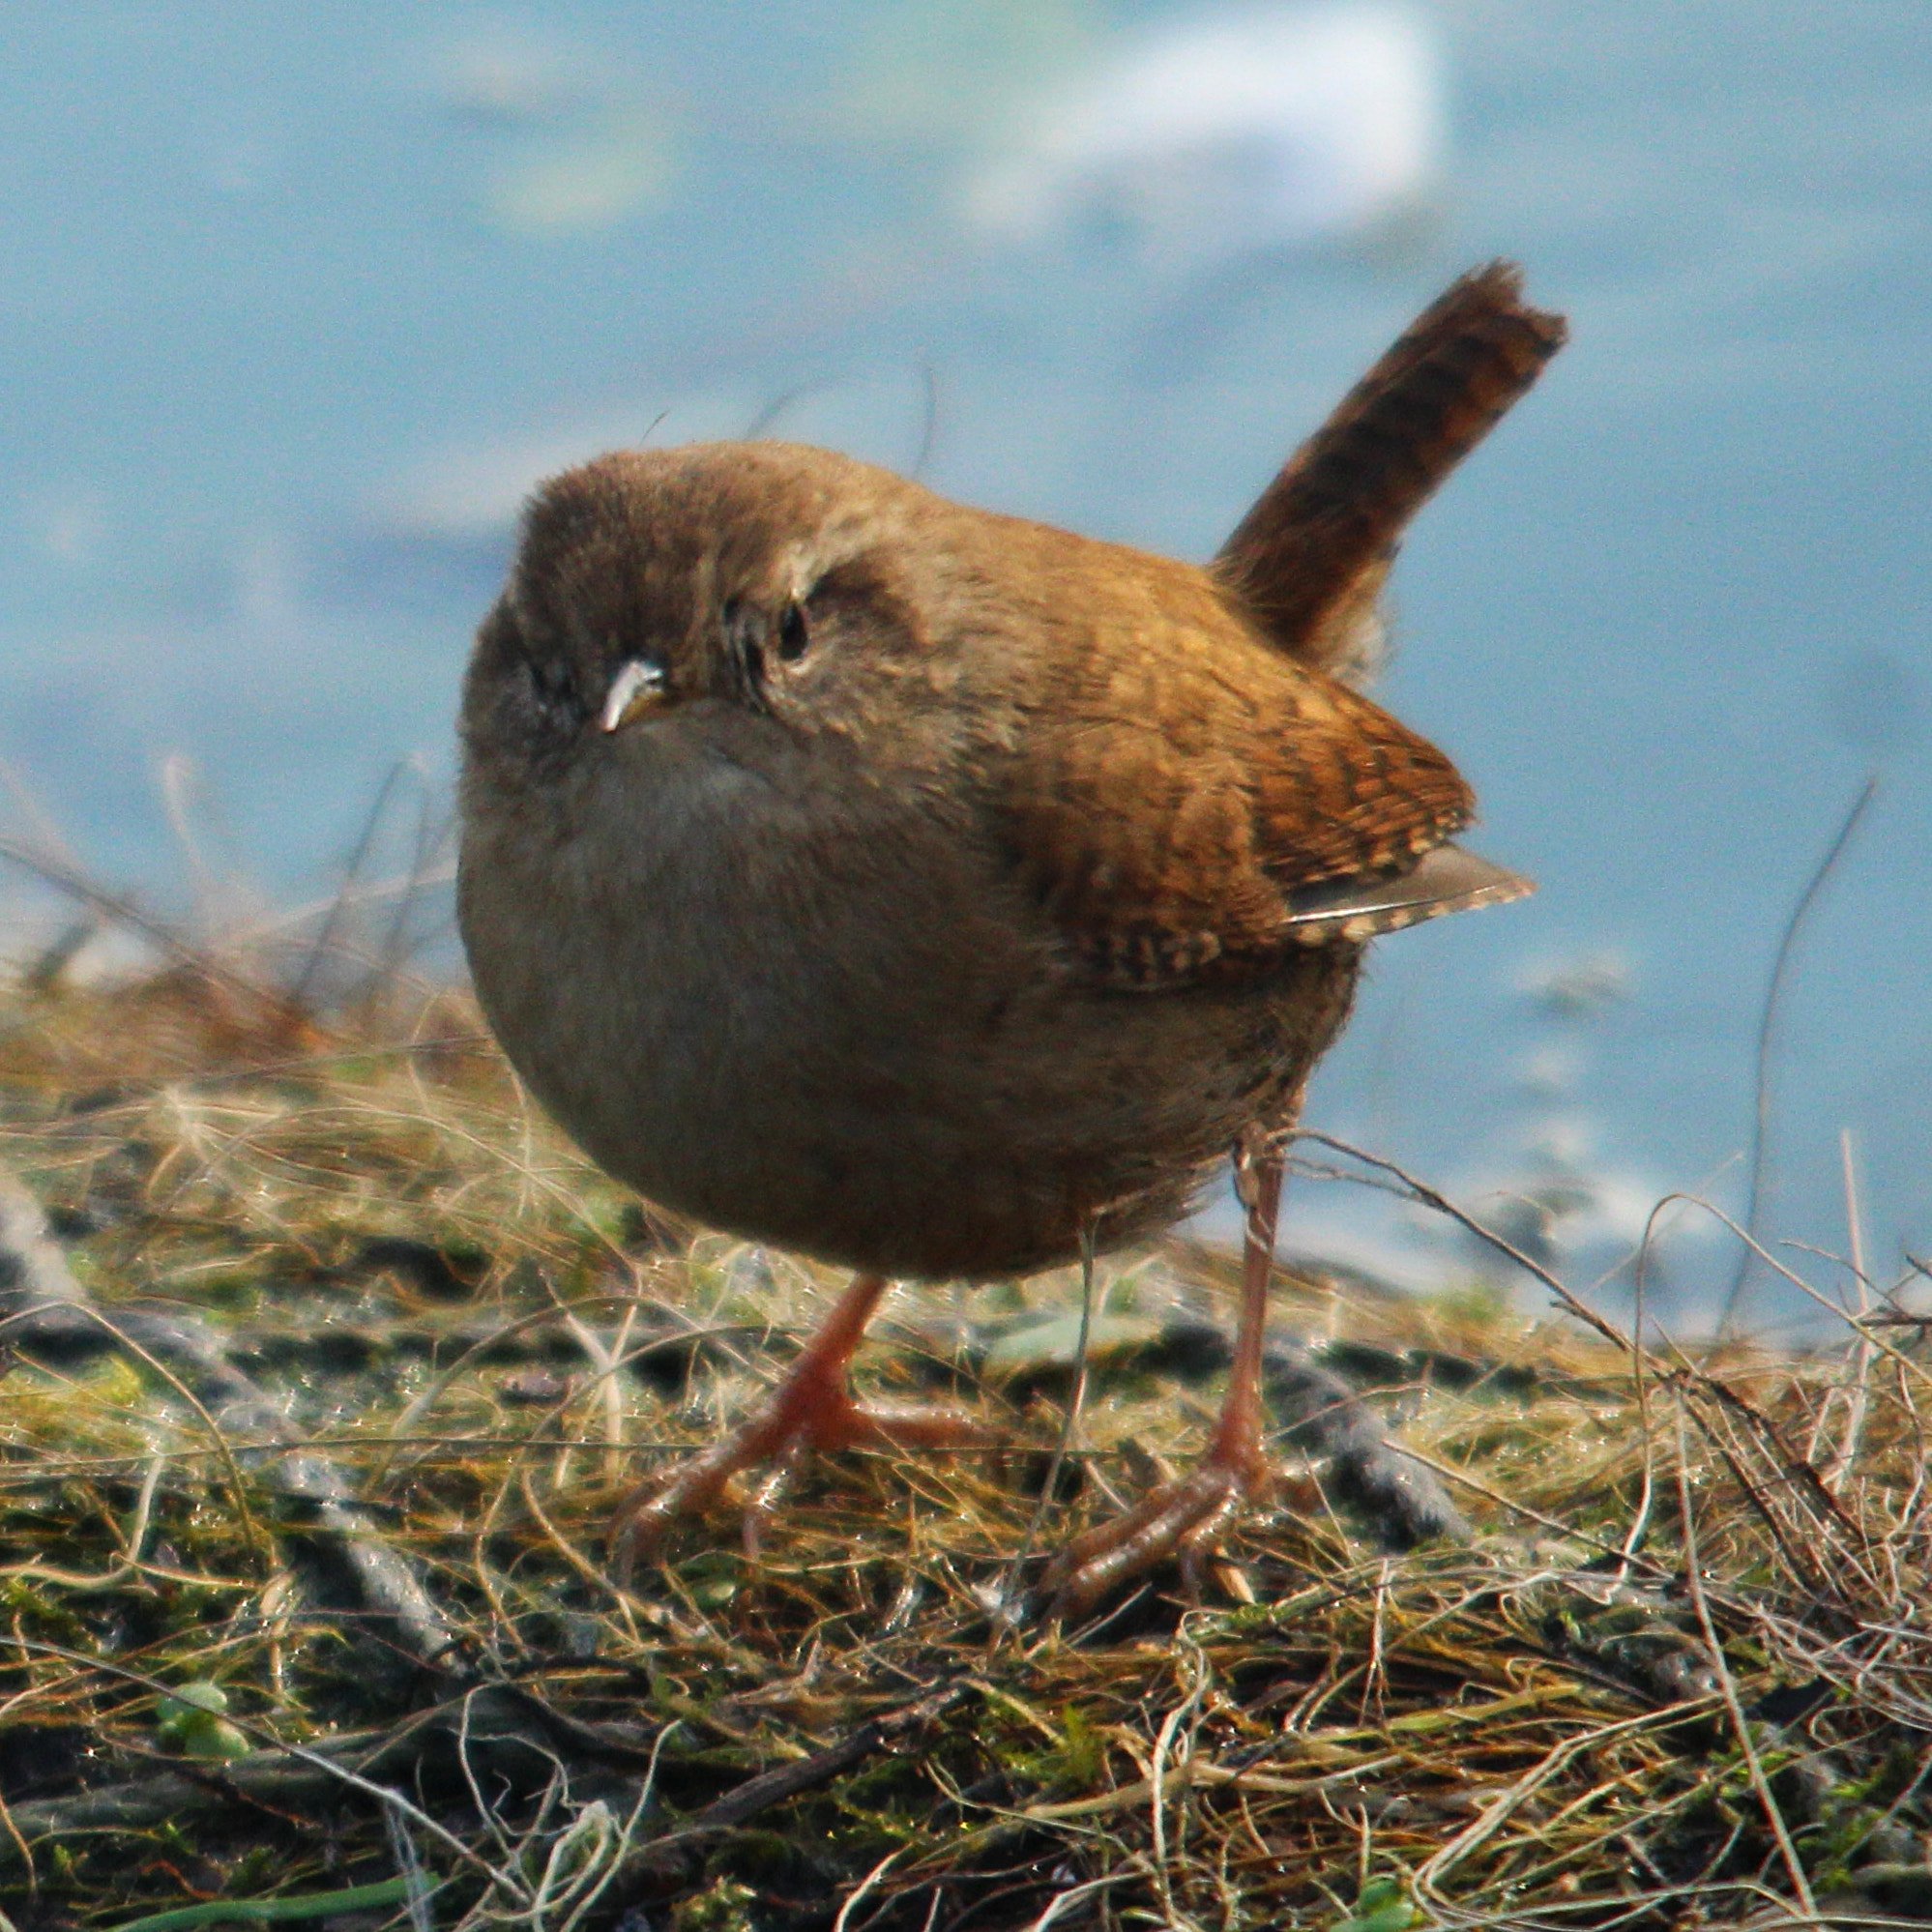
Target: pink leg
x,y
811,1408
1187,1516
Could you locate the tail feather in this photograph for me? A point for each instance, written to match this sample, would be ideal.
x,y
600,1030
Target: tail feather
x,y
1306,561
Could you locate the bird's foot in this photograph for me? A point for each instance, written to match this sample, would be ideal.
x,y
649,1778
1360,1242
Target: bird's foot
x,y
1183,1518
802,1418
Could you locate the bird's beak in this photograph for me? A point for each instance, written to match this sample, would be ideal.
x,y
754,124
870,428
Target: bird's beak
x,y
637,688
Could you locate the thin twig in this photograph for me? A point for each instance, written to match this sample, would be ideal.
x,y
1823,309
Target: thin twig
x,y
1768,1019
1432,1197
1070,1423
324,933
1841,1465
1728,1689
122,910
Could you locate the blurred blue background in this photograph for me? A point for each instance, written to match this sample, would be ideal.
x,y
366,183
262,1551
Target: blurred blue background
x,y
298,301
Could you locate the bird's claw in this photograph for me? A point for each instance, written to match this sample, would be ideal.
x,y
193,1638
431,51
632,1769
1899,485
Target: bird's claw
x,y
782,1439
1183,1518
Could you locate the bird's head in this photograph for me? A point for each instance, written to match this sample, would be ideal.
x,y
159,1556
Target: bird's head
x,y
755,579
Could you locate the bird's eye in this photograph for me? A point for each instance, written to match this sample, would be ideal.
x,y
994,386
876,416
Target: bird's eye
x,y
553,691
794,632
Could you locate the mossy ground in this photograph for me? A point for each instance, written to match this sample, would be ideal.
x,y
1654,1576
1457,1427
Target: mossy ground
x,y
1681,1673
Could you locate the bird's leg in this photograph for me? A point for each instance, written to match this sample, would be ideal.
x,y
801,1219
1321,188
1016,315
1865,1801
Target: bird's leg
x,y
1184,1517
811,1408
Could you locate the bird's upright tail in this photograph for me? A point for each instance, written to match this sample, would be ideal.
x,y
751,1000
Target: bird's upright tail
x,y
1308,561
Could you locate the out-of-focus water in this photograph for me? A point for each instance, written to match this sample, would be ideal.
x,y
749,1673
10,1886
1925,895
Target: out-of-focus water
x,y
297,300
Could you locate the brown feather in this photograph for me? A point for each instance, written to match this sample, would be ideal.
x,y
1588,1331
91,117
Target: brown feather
x,y
1194,772
1308,561
1170,802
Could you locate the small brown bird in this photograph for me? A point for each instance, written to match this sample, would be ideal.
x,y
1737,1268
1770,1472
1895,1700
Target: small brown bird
x,y
939,893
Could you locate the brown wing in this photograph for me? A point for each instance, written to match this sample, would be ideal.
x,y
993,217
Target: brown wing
x,y
1308,561
1191,804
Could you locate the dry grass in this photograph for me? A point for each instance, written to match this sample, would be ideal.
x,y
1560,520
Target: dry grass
x,y
1681,1673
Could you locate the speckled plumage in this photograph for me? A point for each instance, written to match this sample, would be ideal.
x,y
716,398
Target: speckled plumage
x,y
969,884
